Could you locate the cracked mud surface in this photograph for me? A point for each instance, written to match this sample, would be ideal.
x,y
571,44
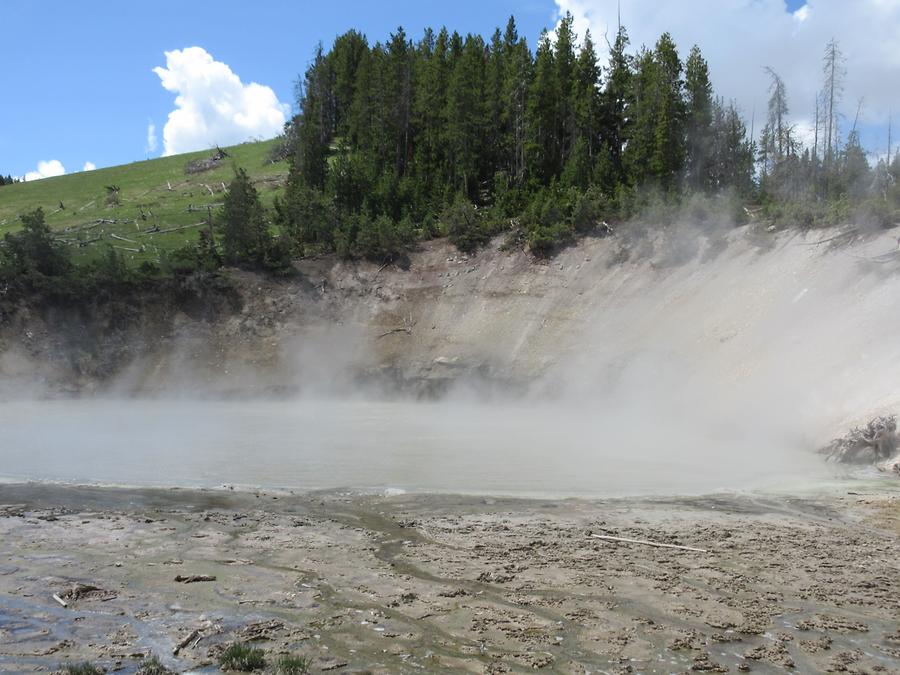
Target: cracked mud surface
x,y
436,583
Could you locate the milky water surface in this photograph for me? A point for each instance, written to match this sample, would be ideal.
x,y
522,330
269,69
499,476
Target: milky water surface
x,y
526,449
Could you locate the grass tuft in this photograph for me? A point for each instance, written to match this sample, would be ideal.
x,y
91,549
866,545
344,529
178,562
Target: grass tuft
x,y
242,658
293,664
153,666
81,669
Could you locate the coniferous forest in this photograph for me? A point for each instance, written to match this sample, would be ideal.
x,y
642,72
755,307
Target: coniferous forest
x,y
467,137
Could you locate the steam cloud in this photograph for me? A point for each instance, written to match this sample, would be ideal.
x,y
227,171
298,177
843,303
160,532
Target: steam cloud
x,y
685,358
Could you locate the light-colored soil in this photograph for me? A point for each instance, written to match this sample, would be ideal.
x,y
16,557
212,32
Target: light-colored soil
x,y
393,584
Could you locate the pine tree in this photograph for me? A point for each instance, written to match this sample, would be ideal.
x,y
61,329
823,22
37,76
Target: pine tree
x,y
564,61
779,132
516,85
542,146
855,174
699,117
669,148
245,235
497,136
730,151
615,99
586,97
465,115
34,249
315,123
429,110
777,143
643,110
398,93
346,54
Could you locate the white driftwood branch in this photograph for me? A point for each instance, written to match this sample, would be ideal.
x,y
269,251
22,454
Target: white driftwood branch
x,y
647,542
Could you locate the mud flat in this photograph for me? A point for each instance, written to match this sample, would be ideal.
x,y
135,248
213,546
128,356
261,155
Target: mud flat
x,y
424,583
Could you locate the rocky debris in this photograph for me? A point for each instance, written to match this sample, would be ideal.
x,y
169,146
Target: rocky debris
x,y
875,442
261,630
495,577
842,661
79,591
537,661
704,664
455,593
689,640
815,646
825,622
775,653
194,578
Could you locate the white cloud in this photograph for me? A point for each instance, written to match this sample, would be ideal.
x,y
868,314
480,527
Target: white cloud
x,y
212,105
89,166
802,14
46,169
151,138
740,37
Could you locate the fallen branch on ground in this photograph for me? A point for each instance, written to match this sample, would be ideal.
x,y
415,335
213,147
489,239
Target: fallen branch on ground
x,y
647,542
842,235
405,328
195,634
194,578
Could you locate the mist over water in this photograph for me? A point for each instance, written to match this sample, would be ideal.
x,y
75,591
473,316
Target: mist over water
x,y
710,362
509,448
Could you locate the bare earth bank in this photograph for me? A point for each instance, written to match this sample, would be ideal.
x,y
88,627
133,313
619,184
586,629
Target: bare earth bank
x,y
413,583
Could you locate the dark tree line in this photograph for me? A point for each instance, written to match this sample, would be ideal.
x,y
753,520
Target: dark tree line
x,y
399,138
7,180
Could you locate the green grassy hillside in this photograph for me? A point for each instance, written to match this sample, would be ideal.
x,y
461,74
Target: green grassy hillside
x,y
159,205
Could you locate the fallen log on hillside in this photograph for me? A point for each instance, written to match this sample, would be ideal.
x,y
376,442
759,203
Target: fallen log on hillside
x,y
174,229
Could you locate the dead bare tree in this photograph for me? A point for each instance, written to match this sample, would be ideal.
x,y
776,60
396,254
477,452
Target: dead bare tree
x,y
833,69
778,111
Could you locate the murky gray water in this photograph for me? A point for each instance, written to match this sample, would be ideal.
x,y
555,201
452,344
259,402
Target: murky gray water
x,y
447,446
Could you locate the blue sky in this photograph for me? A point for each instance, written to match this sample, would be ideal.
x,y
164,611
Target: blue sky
x,y
79,85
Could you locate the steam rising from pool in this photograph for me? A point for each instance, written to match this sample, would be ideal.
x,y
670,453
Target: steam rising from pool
x,y
708,361
514,448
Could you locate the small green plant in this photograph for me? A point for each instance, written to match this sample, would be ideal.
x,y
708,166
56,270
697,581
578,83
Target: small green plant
x,y
81,669
152,666
292,664
242,658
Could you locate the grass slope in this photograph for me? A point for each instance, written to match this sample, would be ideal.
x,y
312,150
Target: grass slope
x,y
144,187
